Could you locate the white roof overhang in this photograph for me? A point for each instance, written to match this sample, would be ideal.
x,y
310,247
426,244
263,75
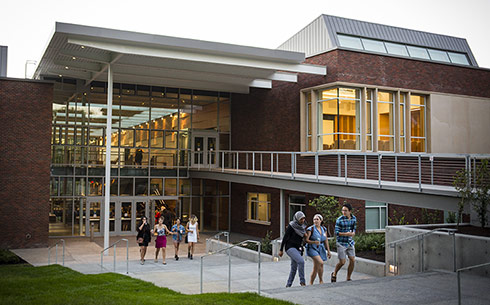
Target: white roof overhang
x,y
84,53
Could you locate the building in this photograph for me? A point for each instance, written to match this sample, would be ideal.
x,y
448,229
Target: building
x,y
379,116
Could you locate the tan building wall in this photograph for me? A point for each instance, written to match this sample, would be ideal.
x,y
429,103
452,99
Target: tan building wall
x,y
459,124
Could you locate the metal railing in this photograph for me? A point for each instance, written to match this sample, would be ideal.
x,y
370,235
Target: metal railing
x,y
458,273
56,245
114,245
258,243
420,237
217,237
420,169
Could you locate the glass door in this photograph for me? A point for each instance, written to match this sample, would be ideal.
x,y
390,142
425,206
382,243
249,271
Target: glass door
x,y
204,149
125,223
93,217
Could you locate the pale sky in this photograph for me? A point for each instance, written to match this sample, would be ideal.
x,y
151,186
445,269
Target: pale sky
x,y
26,26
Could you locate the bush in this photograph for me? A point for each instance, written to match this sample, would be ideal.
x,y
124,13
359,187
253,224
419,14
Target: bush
x,y
7,257
365,242
265,244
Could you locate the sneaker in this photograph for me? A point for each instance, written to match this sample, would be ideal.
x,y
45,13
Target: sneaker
x,y
191,257
142,262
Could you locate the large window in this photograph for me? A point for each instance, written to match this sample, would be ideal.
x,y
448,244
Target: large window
x,y
296,203
376,218
339,119
417,123
259,207
369,121
399,49
386,121
308,122
401,120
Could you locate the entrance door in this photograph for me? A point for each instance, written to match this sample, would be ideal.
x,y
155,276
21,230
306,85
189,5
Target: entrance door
x,y
204,149
93,218
124,215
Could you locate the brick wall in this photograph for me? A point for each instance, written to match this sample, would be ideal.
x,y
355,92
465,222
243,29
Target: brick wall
x,y
25,121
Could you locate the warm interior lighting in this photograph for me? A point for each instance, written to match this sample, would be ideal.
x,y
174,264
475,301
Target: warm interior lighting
x,y
73,58
83,47
393,269
66,68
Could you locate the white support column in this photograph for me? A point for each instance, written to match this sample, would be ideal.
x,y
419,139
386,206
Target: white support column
x,y
282,205
108,158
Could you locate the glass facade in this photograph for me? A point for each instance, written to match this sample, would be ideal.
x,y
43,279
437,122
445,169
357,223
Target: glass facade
x,y
150,147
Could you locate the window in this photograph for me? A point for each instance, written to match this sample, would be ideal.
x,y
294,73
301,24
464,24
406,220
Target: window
x,y
386,121
350,42
396,49
438,55
458,58
296,203
376,215
259,207
369,121
373,45
402,122
308,121
417,52
417,123
339,119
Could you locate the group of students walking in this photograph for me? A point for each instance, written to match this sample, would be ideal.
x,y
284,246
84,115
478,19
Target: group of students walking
x,y
315,238
161,231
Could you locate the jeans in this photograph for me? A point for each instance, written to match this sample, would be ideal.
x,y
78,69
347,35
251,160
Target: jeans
x,y
297,263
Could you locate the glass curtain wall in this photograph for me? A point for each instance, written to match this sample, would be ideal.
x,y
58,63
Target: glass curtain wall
x,y
151,129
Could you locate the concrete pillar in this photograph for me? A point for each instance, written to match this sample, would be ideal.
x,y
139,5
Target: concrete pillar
x,y
108,157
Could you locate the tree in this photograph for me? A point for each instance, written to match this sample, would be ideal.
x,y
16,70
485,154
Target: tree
x,y
462,184
329,208
481,196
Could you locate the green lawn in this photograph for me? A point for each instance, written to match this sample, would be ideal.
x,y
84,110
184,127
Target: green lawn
x,y
24,284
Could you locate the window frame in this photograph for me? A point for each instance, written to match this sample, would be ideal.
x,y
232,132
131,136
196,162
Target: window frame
x,y
379,207
268,209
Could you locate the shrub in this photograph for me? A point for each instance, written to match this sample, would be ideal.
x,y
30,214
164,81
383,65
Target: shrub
x,y
365,242
7,257
265,244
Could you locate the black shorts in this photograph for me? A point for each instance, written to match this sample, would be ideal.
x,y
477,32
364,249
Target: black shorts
x,y
144,244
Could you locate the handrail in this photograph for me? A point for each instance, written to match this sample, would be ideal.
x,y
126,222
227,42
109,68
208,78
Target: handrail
x,y
114,245
56,245
218,235
458,273
229,262
420,238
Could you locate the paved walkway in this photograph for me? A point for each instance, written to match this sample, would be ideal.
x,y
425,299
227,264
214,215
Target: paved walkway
x,y
184,276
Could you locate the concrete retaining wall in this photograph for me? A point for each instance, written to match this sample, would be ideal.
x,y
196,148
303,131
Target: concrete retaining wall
x,y
213,245
437,250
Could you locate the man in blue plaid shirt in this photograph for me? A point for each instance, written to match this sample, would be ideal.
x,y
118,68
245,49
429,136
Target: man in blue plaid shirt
x,y
345,230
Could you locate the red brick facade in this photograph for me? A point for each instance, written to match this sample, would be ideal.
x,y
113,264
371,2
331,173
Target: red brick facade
x,y
25,119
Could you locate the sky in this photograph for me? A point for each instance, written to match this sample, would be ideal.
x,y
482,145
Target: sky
x,y
26,26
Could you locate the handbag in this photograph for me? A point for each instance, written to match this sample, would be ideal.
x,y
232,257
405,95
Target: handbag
x,y
140,240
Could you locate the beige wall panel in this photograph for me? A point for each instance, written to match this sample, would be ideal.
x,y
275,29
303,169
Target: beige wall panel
x,y
459,124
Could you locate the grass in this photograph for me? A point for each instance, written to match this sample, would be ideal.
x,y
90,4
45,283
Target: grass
x,y
24,284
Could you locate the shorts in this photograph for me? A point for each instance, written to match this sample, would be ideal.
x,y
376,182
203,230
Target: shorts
x,y
143,244
314,250
342,251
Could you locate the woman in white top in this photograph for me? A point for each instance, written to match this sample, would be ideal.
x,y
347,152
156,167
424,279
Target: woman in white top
x,y
192,235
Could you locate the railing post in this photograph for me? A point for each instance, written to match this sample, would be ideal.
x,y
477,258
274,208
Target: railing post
x,y
63,252
365,166
229,266
253,163
272,164
49,256
345,168
201,276
454,252
379,170
277,162
114,257
127,256
395,263
420,173
261,159
237,161
316,166
292,165
396,168
101,261
339,169
258,276
432,170
246,161
222,161
422,255
56,253
459,286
